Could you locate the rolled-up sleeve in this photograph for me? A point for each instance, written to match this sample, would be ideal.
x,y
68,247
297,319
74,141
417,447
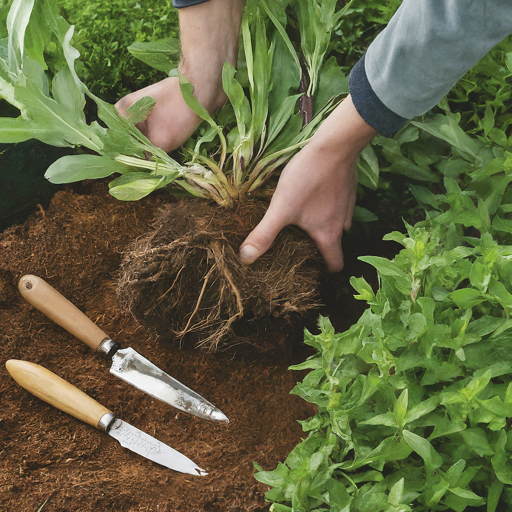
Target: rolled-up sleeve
x,y
179,4
426,48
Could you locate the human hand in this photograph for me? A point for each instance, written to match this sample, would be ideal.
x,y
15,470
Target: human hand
x,y
317,189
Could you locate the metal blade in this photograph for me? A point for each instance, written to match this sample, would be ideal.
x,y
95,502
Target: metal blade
x,y
144,375
149,447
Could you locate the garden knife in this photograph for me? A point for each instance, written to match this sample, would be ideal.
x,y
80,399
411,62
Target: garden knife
x,y
61,394
127,364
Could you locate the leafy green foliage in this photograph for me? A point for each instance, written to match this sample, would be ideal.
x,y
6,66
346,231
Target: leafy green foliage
x,y
258,131
106,35
106,31
415,399
51,106
359,27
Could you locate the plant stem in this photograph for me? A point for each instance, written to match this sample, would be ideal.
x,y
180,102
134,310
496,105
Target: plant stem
x,y
254,176
163,168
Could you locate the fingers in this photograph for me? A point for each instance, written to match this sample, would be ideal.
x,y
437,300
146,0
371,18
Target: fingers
x,y
264,234
261,238
330,249
350,212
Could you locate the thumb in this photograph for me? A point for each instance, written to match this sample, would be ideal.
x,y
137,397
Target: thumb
x,y
260,238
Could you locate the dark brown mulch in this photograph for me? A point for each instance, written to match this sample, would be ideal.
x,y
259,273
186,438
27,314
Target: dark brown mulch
x,y
76,245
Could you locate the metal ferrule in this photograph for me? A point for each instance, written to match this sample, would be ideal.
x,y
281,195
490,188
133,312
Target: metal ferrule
x,y
108,347
106,421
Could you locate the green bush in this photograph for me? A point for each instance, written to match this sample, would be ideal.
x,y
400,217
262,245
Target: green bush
x,y
104,31
415,399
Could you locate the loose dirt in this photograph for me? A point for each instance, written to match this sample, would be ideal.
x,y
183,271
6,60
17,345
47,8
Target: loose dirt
x,y
76,245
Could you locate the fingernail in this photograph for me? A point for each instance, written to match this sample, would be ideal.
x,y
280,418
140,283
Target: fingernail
x,y
248,254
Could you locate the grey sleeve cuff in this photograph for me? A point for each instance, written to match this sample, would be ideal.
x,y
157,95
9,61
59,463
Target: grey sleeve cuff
x,y
369,106
428,46
179,4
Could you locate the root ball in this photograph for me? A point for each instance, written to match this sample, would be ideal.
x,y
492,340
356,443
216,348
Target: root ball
x,y
184,278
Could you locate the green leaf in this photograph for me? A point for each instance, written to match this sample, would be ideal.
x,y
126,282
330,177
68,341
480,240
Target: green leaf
x,y
332,84
383,265
136,185
438,491
494,495
467,298
498,290
455,472
69,169
237,98
285,75
163,54
274,478
140,110
283,34
479,276
477,385
488,121
19,130
424,449
447,128
476,438
368,168
280,117
187,90
422,409
363,288
501,462
464,493
363,215
396,492
387,419
401,408
445,427
496,406
17,22
417,326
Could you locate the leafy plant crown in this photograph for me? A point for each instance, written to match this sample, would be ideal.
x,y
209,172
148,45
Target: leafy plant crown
x,y
233,157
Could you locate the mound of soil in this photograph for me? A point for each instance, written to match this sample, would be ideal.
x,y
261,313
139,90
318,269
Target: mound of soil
x,y
184,278
76,245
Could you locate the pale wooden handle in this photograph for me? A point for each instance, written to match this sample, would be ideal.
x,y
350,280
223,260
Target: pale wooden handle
x,y
56,391
57,308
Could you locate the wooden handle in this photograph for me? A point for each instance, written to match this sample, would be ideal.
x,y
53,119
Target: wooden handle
x,y
56,391
57,308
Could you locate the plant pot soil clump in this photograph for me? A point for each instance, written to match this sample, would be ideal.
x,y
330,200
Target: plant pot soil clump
x,y
185,279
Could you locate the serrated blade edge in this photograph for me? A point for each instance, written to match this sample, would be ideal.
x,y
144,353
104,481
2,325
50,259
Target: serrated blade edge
x,y
143,444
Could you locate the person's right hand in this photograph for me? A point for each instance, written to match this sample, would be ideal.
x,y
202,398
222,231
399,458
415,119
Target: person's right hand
x,y
317,189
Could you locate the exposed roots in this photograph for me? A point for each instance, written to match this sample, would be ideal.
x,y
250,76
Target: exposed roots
x,y
185,277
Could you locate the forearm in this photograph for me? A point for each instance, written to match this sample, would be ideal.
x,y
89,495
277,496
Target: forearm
x,y
425,49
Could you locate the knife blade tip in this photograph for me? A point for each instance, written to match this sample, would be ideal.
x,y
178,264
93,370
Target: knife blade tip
x,y
219,416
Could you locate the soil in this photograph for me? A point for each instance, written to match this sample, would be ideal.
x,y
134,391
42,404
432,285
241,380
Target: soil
x,y
46,456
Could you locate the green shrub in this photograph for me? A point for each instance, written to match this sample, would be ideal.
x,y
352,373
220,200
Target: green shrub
x,y
415,399
104,32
